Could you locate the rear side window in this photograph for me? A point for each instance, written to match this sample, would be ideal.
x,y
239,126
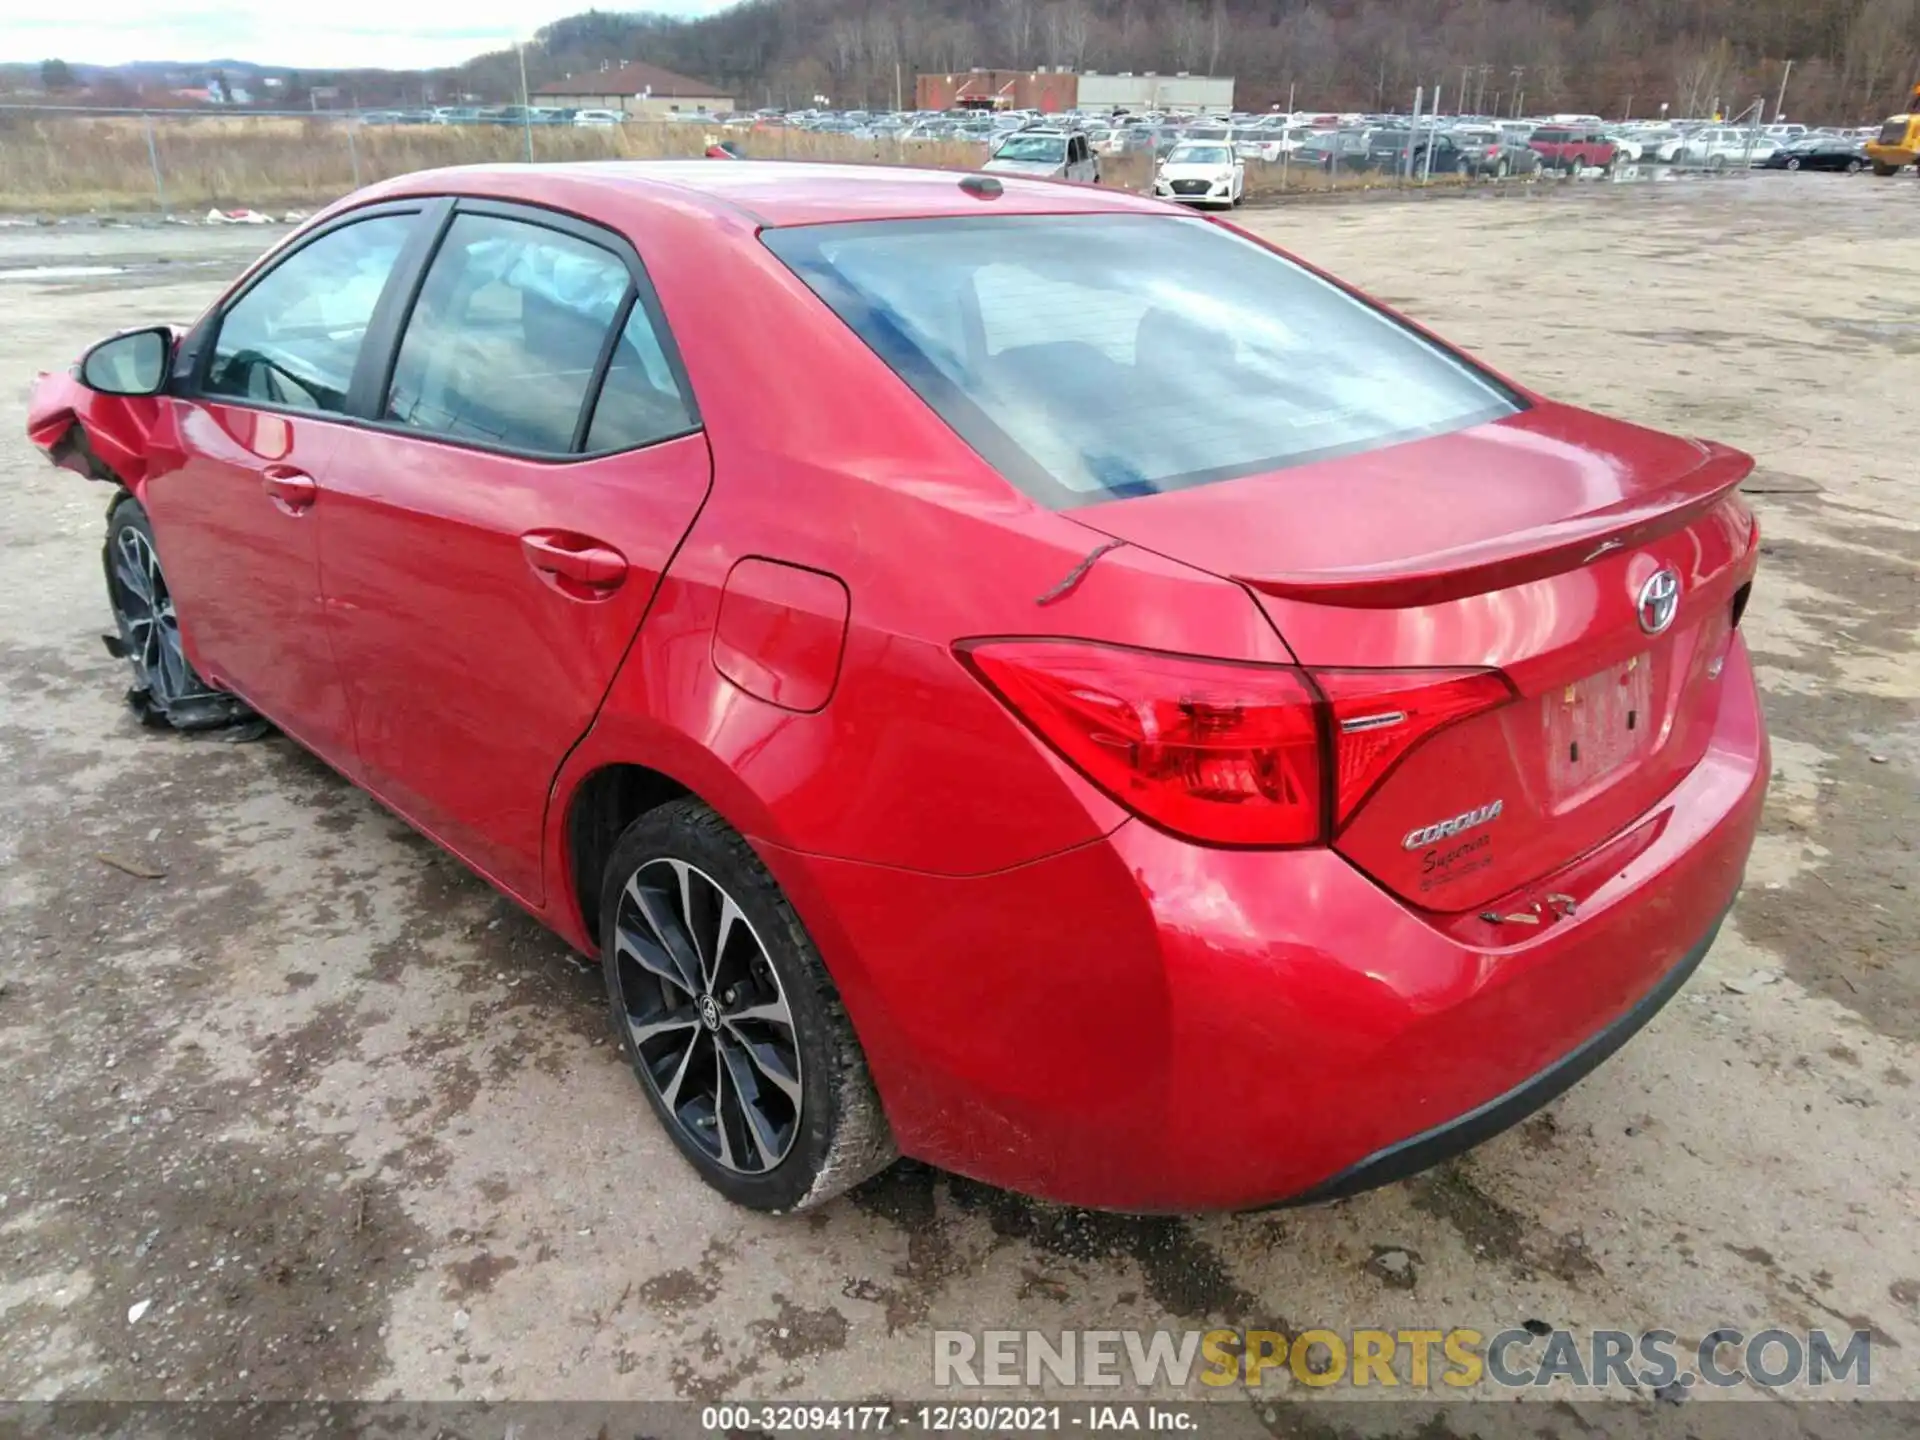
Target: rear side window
x,y
1103,356
506,336
1553,137
294,337
641,400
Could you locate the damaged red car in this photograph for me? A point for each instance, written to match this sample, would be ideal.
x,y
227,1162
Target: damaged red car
x,y
1008,673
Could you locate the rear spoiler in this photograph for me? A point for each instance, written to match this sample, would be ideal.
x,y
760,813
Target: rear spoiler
x,y
1516,559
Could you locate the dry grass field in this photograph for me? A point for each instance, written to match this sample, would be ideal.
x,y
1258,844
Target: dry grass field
x,y
74,165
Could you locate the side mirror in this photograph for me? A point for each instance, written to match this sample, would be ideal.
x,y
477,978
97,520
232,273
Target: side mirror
x,y
135,363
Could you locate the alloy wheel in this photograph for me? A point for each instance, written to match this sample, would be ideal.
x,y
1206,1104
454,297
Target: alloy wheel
x,y
707,1016
144,607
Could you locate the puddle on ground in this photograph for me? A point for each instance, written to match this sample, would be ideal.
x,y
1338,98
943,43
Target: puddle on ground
x,y
1902,335
61,272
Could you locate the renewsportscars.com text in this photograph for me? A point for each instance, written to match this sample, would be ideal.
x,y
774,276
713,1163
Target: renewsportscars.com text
x,y
1388,1359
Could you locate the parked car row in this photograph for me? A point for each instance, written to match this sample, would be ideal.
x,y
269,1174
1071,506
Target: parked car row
x,y
493,115
1072,145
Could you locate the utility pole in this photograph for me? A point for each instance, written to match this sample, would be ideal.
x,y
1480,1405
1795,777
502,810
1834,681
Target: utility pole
x,y
1465,71
1413,130
1780,104
526,110
1519,73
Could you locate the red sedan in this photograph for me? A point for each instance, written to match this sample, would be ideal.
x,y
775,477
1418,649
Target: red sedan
x,y
1000,671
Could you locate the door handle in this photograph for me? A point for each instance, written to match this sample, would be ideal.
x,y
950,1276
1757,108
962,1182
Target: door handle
x,y
292,490
575,562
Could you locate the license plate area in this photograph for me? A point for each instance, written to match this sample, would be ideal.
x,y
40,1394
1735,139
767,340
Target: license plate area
x,y
1594,729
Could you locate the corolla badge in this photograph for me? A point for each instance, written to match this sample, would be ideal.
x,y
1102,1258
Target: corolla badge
x,y
1458,825
1659,601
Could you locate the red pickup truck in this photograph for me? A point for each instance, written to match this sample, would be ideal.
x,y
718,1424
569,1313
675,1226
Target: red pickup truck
x,y
1572,148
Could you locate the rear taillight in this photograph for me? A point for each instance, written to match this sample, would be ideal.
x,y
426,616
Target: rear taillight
x,y
1379,716
1223,752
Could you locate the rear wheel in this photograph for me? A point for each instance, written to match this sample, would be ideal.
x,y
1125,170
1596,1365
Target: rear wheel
x,y
167,690
1880,167
1793,162
729,1018
1502,170
1854,167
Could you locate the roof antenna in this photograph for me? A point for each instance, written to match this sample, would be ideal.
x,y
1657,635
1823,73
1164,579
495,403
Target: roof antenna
x,y
983,187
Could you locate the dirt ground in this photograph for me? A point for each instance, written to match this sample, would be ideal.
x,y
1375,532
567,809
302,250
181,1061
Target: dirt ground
x,y
347,1124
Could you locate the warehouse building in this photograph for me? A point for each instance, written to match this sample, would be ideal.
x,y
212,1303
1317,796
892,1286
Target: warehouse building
x,y
1047,90
639,89
1053,89
1182,93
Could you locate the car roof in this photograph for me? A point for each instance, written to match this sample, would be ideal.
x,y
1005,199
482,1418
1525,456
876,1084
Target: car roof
x,y
765,192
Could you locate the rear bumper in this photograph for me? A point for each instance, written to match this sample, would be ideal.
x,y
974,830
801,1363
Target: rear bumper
x,y
1427,1149
1141,1024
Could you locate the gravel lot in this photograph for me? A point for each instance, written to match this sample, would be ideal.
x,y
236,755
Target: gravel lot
x,y
350,1125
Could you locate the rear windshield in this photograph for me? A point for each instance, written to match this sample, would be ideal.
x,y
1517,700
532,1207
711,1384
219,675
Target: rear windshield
x,y
1102,356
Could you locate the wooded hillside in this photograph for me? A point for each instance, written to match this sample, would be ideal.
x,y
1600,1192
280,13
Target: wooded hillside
x,y
1853,60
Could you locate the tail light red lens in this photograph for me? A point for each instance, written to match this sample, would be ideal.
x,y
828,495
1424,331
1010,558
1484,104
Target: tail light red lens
x,y
1223,752
1380,715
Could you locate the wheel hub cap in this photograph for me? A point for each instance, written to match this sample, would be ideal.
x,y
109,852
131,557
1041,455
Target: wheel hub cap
x,y
709,1022
144,607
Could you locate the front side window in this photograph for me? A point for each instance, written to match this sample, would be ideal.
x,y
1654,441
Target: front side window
x,y
1104,356
294,337
503,343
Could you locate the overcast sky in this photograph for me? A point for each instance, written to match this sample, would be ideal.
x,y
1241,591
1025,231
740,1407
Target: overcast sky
x,y
333,34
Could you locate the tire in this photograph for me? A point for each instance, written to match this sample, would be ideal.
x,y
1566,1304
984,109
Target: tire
x,y
1854,167
1716,162
1502,170
1881,168
764,1015
167,692
1793,162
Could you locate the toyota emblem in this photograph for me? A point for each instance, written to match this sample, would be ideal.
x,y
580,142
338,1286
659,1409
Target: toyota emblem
x,y
1659,601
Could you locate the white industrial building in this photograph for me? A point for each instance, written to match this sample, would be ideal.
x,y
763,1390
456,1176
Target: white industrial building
x,y
1187,94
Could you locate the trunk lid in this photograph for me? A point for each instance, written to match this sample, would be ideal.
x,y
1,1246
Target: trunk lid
x,y
1525,546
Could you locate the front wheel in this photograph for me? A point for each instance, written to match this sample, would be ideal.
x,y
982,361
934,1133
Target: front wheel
x,y
1793,164
1502,170
167,691
729,1018
1854,167
1880,167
